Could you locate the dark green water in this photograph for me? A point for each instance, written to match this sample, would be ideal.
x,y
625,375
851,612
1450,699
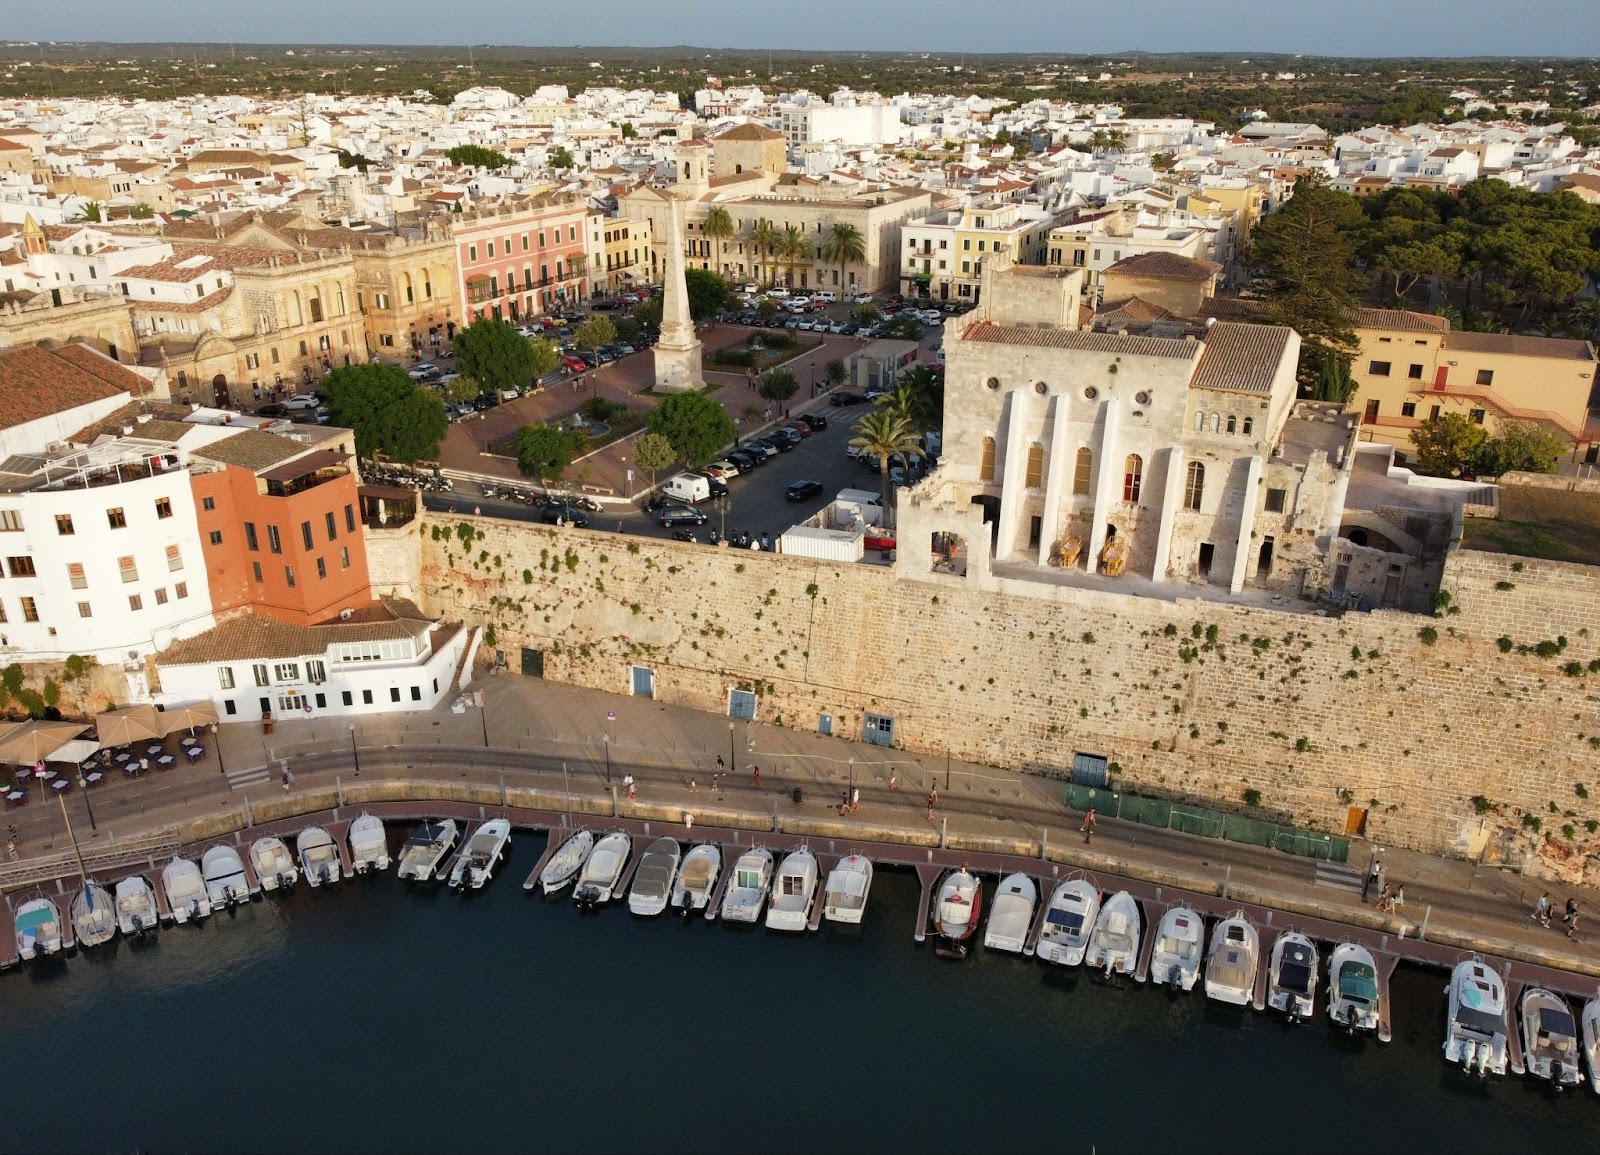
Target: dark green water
x,y
373,1018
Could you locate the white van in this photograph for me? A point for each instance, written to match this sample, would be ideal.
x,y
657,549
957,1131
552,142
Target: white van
x,y
825,295
687,487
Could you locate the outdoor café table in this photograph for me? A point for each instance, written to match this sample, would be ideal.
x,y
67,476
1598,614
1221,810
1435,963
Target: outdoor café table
x,y
122,755
16,797
155,750
60,785
44,772
93,777
195,752
23,773
165,760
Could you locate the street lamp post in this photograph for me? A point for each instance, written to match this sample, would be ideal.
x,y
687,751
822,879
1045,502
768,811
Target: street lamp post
x,y
606,739
732,758
83,785
813,378
222,766
483,716
354,752
722,504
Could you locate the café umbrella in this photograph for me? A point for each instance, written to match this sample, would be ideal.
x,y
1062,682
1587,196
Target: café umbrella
x,y
128,725
33,742
188,717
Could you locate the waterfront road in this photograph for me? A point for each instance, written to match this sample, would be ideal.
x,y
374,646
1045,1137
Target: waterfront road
x,y
549,736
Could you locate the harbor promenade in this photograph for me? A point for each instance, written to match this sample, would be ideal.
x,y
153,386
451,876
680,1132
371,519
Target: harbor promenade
x,y
565,743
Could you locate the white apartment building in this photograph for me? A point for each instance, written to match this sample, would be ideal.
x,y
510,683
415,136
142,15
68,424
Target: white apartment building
x,y
858,124
943,253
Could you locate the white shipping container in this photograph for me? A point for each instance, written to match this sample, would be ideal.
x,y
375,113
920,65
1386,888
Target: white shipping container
x,y
824,544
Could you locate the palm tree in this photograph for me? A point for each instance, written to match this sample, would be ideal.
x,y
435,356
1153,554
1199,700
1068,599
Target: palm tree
x,y
913,399
762,238
1583,319
845,244
89,213
885,434
718,227
794,248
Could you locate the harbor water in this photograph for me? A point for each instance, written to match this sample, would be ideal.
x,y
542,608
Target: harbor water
x,y
372,1017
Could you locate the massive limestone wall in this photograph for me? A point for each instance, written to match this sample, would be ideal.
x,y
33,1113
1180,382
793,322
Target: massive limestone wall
x,y
1447,741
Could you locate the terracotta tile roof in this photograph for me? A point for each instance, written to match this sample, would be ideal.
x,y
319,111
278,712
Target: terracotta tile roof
x,y
256,636
1400,321
1081,340
1241,358
750,131
1516,345
1168,266
36,382
254,449
1232,308
1133,309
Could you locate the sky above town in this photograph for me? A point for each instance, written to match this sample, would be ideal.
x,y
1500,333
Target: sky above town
x,y
1313,27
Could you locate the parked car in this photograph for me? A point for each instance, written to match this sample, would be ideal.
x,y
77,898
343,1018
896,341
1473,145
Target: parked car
x,y
799,428
273,411
566,514
784,438
760,449
848,399
800,490
687,487
681,515
719,488
721,470
744,462
815,420
300,401
574,364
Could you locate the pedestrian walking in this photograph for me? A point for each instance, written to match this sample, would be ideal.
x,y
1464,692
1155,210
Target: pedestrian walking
x,y
1384,905
1541,909
1397,899
1374,879
855,799
1570,918
688,820
1089,824
144,765
288,779
933,801
627,784
1572,927
894,781
719,767
755,776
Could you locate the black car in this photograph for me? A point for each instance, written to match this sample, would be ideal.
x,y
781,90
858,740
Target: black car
x,y
719,488
743,462
848,399
674,515
565,514
815,420
800,490
783,438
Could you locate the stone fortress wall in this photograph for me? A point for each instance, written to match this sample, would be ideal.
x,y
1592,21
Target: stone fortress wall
x,y
1198,700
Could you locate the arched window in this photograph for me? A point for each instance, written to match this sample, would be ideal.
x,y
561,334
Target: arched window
x,y
1194,485
1216,422
1035,477
1248,424
1082,469
1199,422
986,460
1232,423
1132,478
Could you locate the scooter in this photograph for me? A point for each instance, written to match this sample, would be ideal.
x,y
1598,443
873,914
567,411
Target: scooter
x,y
684,535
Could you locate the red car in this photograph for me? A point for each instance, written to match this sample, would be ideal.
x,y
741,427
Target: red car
x,y
574,364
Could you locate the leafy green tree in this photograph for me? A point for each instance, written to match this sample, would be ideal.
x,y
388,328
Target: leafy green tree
x,y
476,156
546,355
389,414
1523,445
545,451
777,385
762,238
353,160
561,159
903,328
866,313
652,453
708,293
1326,375
141,212
648,314
918,396
766,308
628,131
885,434
835,371
495,355
463,390
695,425
1448,445
844,246
793,249
594,332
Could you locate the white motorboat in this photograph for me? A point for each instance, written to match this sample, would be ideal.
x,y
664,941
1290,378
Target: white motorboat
x,y
94,915
1475,1031
1591,1040
747,889
319,856
186,891
1180,944
369,844
794,891
1114,942
564,864
427,848
957,910
845,895
474,866
1233,962
1292,976
652,882
601,870
1549,1038
1011,914
697,878
273,864
226,884
137,911
1353,987
1068,922
38,927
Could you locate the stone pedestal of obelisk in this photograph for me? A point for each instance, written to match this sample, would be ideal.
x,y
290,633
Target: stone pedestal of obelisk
x,y
677,366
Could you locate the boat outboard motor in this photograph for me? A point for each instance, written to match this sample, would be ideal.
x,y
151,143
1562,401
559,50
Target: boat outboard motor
x,y
1350,1016
194,908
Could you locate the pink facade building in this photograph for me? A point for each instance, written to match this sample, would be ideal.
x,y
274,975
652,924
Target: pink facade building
x,y
521,258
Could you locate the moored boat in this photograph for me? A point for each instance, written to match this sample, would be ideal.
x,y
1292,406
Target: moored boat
x,y
1011,914
1353,998
849,884
1476,1031
697,878
319,856
137,911
794,891
223,869
474,867
1233,962
369,844
38,928
747,889
1549,1038
1114,942
94,915
1068,922
1591,1040
427,848
1180,943
274,865
957,910
652,882
186,891
597,881
563,866
1292,976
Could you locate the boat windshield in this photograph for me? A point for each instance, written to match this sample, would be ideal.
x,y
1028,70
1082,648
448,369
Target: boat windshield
x,y
1295,976
1359,981
1479,1022
749,879
1556,1022
1065,919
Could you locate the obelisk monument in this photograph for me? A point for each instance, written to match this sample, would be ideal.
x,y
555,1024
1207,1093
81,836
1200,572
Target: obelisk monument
x,y
678,351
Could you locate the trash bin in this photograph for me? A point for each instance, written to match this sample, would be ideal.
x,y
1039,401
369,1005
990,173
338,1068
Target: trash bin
x,y
266,724
796,795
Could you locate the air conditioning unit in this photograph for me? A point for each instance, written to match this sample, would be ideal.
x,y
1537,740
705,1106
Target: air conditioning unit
x,y
345,615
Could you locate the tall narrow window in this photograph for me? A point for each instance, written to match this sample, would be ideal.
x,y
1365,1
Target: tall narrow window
x,y
1232,423
986,460
1194,485
1035,477
1248,425
1082,472
1132,478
